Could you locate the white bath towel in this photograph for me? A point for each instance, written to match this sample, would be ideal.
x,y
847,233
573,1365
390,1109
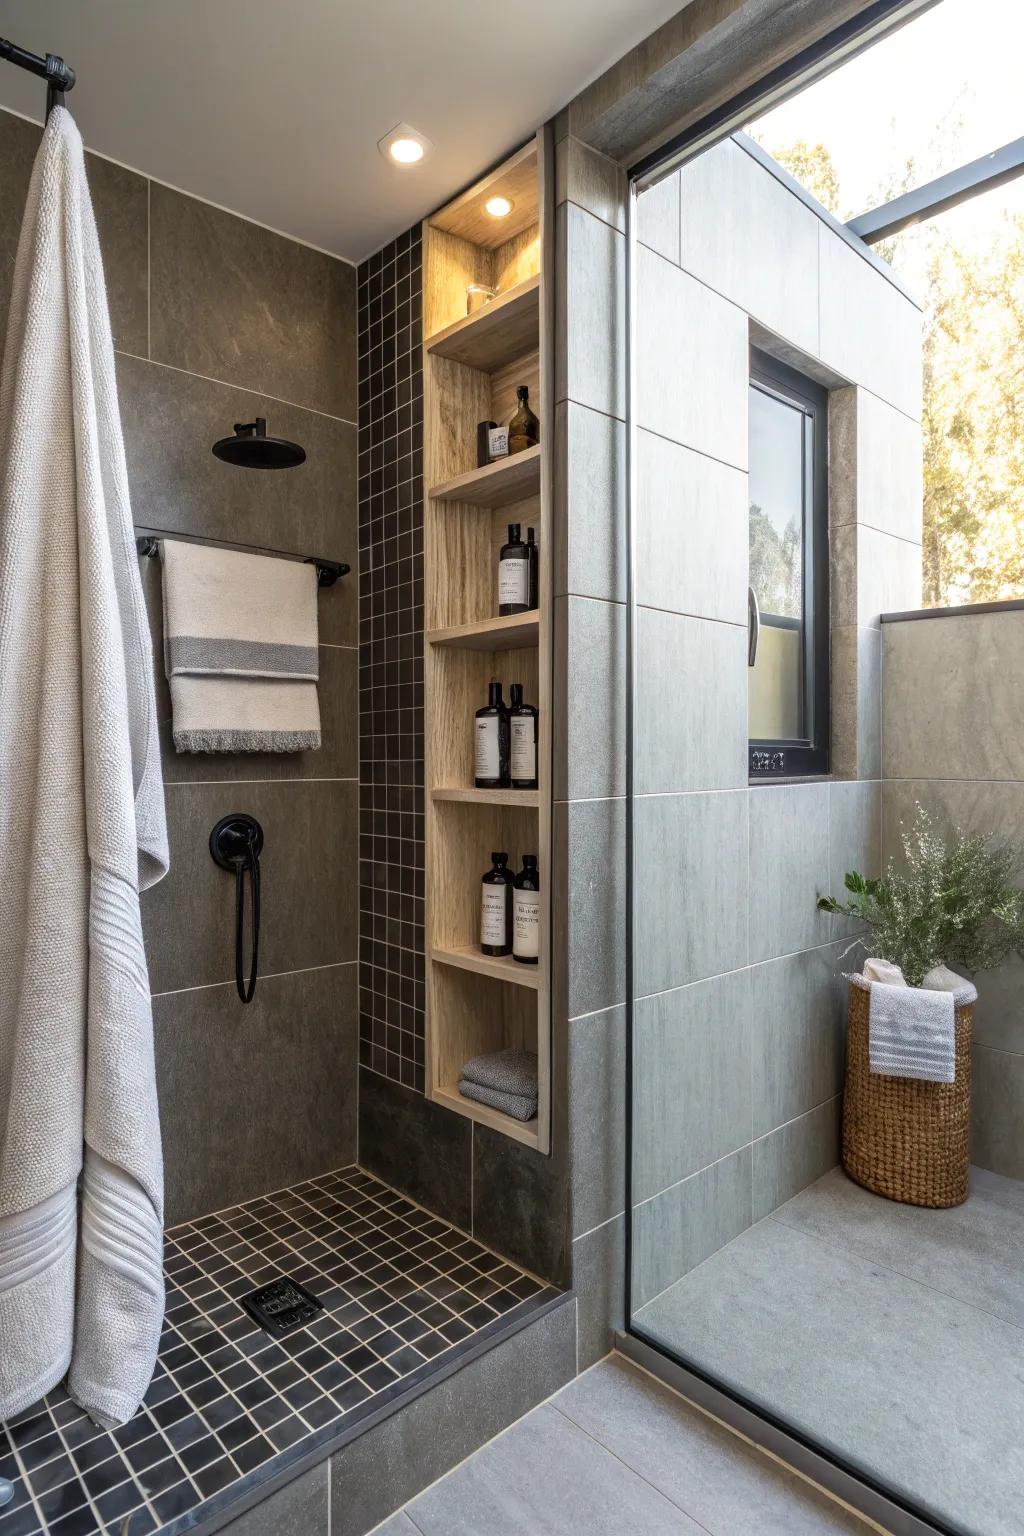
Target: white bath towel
x,y
81,830
240,650
912,1030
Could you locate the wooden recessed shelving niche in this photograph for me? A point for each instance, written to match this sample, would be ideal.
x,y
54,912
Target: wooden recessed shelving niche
x,y
471,367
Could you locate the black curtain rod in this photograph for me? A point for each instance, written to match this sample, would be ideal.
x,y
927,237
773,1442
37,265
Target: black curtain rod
x,y
59,77
147,542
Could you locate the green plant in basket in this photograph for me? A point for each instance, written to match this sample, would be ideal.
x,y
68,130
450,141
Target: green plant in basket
x,y
957,904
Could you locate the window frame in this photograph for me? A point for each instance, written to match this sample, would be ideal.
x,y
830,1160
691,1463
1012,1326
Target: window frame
x,y
768,760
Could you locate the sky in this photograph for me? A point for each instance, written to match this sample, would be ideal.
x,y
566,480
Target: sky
x,y
945,88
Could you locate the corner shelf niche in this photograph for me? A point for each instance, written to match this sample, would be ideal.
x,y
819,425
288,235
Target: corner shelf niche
x,y
471,367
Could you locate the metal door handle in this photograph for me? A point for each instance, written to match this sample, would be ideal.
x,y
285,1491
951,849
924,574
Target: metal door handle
x,y
753,626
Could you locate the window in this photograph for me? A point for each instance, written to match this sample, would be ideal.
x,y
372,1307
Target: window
x,y
787,653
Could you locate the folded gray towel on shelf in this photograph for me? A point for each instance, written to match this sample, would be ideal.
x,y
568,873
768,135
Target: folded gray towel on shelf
x,y
518,1105
240,650
912,1030
510,1071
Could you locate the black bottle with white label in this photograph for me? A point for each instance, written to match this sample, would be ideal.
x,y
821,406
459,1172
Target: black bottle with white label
x,y
513,574
496,907
533,550
490,743
526,912
522,745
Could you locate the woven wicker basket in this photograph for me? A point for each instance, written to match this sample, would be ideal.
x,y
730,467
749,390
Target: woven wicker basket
x,y
902,1138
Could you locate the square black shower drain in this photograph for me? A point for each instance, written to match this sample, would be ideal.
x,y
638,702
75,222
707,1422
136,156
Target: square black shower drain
x,y
282,1306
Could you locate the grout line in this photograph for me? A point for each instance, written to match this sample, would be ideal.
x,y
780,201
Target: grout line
x,y
206,783
739,469
244,389
610,1221
209,986
149,270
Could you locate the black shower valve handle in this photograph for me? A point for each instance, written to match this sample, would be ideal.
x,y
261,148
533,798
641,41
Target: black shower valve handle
x,y
235,845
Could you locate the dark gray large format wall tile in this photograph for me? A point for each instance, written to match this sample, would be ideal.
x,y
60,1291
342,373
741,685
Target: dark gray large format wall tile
x,y
519,1203
789,868
599,1280
597,1117
590,719
255,1097
234,301
691,704
171,421
680,1228
797,1061
119,199
404,1454
417,1146
691,1079
308,887
691,887
299,1508
589,914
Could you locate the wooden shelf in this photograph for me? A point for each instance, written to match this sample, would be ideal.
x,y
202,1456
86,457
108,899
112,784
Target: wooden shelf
x,y
512,633
525,1131
473,796
502,331
495,485
468,958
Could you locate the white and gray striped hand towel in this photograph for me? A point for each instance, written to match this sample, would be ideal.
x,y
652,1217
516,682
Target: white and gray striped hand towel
x,y
240,650
912,1030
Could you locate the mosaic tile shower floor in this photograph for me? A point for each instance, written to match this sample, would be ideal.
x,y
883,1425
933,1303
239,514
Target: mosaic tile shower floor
x,y
404,1295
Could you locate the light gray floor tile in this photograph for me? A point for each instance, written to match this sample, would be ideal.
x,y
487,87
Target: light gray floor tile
x,y
398,1525
972,1252
546,1477
923,1392
713,1475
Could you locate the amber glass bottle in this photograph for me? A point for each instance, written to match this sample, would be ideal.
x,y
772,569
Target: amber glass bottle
x,y
524,428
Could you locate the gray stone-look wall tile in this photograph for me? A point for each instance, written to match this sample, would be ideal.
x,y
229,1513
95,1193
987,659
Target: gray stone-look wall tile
x,y
725,195
680,1228
520,1203
233,301
799,1034
417,1146
171,421
997,1112
590,685
590,347
657,217
872,573
999,1011
590,495
793,1156
599,1280
691,361
393,1462
597,1117
691,704
589,909
875,467
691,887
300,1508
988,809
590,180
691,1079
856,703
691,532
308,889
255,1097
869,332
789,868
951,697
854,840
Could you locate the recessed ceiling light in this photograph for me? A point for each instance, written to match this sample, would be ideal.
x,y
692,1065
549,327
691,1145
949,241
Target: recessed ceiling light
x,y
498,207
404,146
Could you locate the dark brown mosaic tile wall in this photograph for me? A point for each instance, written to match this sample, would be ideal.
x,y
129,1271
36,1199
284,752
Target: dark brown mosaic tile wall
x,y
391,974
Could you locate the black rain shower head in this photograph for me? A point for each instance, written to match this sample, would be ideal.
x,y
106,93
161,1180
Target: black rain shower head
x,y
253,449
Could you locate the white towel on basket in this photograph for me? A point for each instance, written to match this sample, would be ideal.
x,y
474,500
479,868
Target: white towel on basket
x,y
81,830
240,650
912,1030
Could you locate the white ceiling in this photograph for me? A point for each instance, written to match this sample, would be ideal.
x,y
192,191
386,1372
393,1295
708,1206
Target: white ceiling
x,y
273,108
